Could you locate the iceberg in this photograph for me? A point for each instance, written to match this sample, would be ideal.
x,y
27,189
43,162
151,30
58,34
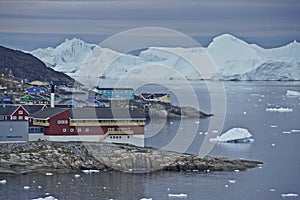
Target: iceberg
x,y
242,61
234,135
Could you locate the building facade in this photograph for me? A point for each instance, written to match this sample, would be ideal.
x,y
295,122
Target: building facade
x,y
91,124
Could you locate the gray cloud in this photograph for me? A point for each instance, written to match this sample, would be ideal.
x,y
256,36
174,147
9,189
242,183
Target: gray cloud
x,y
262,18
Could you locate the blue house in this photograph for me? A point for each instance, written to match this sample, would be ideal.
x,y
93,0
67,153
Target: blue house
x,y
114,93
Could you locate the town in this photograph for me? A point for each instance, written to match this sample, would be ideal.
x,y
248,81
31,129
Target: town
x,y
40,111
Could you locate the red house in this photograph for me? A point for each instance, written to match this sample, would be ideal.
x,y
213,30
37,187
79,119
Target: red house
x,y
91,124
18,112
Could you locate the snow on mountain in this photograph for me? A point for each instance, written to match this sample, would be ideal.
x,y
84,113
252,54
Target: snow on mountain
x,y
235,60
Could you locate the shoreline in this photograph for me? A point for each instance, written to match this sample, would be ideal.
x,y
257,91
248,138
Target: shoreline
x,y
68,157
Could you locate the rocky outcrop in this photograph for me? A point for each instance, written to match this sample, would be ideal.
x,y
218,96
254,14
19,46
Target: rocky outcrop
x,y
42,157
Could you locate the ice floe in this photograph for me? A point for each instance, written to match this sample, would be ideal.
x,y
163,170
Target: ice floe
x,y
46,198
90,171
232,181
49,174
3,182
292,93
281,109
289,195
146,199
234,135
77,175
177,195
26,187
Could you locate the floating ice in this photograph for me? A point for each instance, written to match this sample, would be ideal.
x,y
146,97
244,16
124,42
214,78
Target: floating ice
x,y
272,190
235,135
289,195
90,171
77,175
295,131
146,199
273,126
3,182
273,145
46,198
232,181
26,187
292,93
49,174
226,186
177,195
281,109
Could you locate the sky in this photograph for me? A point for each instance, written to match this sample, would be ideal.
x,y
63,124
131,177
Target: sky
x,y
32,24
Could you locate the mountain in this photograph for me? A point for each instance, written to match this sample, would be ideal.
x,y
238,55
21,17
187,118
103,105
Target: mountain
x,y
235,60
26,66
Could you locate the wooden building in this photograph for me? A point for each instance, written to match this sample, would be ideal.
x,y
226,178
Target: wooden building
x,y
117,125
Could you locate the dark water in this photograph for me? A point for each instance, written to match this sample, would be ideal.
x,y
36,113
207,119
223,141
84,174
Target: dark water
x,y
246,108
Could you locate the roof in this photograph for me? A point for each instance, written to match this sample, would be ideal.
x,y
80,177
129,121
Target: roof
x,y
48,112
114,88
33,108
7,109
39,83
106,113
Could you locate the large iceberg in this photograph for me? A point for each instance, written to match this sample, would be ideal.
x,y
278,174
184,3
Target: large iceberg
x,y
234,135
234,59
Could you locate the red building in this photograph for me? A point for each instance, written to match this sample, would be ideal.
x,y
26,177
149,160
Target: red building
x,y
17,112
91,124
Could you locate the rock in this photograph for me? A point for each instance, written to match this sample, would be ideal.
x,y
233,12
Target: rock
x,y
63,157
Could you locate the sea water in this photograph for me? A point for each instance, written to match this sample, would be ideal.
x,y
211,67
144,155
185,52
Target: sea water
x,y
276,144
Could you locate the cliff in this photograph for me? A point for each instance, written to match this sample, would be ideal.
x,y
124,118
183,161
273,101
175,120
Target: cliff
x,y
59,157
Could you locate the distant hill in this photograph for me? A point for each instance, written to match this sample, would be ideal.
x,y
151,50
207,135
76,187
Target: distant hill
x,y
26,66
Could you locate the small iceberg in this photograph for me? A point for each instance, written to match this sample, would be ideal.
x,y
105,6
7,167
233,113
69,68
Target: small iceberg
x,y
292,93
235,135
49,174
281,109
289,195
46,198
178,195
90,171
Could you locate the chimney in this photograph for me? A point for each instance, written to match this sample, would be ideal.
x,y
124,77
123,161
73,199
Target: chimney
x,y
52,96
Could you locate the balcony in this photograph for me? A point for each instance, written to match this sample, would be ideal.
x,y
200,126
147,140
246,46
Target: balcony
x,y
35,123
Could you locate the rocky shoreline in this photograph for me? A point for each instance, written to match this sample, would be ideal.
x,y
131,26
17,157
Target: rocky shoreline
x,y
65,157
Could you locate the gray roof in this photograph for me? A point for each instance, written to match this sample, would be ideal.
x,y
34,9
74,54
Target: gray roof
x,y
47,112
106,113
7,109
33,108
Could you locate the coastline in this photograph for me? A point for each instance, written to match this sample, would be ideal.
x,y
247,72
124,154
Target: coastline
x,y
67,157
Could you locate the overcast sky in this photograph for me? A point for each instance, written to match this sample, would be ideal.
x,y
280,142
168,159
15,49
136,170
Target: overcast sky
x,y
31,24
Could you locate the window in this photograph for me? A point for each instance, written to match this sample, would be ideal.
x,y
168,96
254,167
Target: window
x,y
20,112
71,130
20,117
64,130
79,130
87,130
14,117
